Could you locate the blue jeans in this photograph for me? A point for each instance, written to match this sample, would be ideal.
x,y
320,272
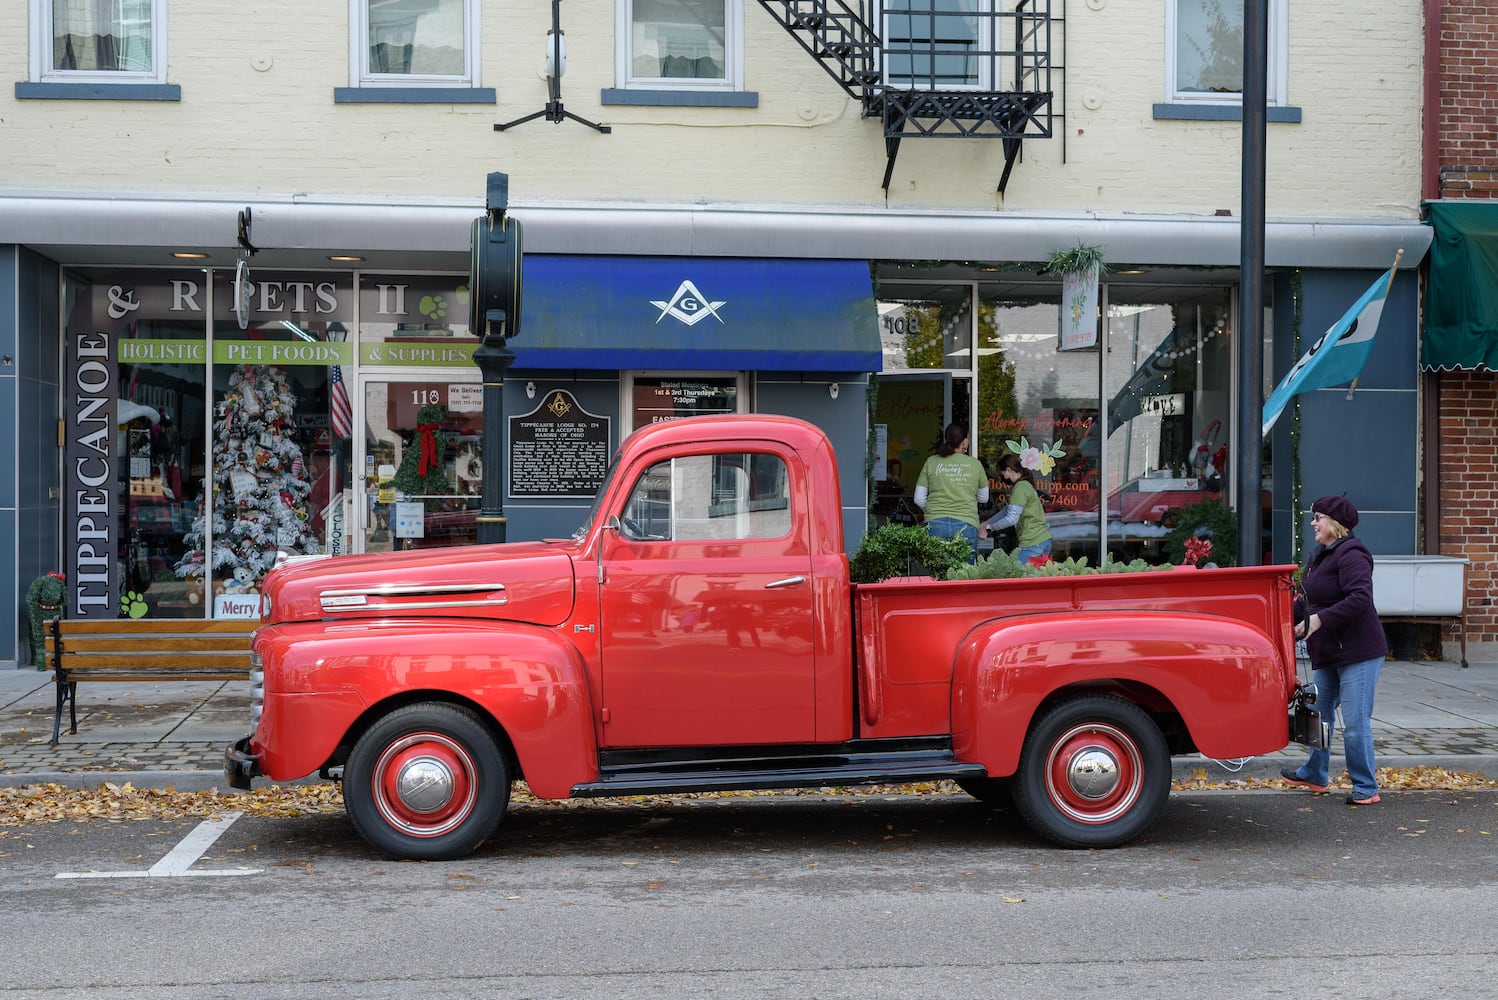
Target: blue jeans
x,y
1029,552
1351,687
951,527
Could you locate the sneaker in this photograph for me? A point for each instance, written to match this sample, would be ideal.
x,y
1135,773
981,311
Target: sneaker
x,y
1353,800
1295,779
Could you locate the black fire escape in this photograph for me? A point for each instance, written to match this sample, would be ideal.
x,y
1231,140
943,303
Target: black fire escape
x,y
940,69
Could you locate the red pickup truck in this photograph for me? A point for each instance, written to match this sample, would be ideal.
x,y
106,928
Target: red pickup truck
x,y
699,632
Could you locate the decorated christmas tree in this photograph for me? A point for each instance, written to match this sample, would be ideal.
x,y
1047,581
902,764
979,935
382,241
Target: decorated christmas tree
x,y
259,485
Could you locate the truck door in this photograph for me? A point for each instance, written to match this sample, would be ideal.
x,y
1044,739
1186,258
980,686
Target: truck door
x,y
706,606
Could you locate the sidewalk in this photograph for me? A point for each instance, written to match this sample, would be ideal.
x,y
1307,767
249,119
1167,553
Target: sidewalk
x,y
174,733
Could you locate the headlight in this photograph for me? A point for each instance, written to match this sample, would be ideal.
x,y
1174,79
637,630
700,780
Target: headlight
x,y
265,607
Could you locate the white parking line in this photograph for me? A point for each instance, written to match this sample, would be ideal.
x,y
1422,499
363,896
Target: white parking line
x,y
180,859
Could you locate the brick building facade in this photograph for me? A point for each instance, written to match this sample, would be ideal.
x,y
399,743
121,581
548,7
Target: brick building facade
x,y
1461,503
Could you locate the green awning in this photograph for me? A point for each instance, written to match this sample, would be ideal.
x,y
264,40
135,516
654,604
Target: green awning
x,y
1461,295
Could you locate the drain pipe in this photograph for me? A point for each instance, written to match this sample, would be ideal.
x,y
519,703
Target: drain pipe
x,y
1430,190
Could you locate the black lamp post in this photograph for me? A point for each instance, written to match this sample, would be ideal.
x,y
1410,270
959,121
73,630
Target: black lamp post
x,y
1249,469
494,314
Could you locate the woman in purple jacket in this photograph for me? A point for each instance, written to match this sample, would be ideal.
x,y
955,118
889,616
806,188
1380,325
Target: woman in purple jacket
x,y
1335,616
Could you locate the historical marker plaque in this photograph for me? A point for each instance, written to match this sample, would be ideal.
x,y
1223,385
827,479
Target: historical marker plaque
x,y
557,450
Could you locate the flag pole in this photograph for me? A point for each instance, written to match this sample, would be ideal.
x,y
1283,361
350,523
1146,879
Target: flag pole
x,y
1352,386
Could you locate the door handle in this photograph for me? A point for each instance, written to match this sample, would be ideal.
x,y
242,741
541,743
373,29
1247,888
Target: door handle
x,y
790,581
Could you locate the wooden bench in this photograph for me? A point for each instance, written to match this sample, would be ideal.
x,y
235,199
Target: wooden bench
x,y
125,649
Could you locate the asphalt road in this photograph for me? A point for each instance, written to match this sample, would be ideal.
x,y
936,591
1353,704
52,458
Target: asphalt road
x,y
1233,894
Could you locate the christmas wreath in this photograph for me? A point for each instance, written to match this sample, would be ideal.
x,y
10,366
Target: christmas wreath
x,y
421,471
1205,532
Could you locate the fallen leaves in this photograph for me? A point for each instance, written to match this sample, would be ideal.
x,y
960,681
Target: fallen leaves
x,y
1412,778
110,802
52,803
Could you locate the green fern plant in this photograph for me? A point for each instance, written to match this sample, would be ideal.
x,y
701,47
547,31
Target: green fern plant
x,y
906,550
1001,565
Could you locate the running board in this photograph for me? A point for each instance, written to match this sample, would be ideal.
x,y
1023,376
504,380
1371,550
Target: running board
x,y
842,769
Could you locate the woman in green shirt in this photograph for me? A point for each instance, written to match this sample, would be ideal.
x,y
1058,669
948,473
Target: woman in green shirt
x,y
951,486
1024,512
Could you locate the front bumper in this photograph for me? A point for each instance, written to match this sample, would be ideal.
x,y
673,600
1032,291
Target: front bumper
x,y
240,765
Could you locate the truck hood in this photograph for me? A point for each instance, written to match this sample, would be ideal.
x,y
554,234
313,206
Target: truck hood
x,y
520,581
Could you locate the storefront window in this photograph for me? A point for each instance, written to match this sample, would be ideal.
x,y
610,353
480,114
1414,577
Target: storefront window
x,y
160,416
135,363
926,326
274,450
1166,404
414,319
423,482
1170,378
926,332
1039,402
655,399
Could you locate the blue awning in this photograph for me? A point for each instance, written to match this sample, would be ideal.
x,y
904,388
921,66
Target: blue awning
x,y
697,314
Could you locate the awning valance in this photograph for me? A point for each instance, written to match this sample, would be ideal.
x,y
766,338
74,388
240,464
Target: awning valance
x,y
697,314
1461,295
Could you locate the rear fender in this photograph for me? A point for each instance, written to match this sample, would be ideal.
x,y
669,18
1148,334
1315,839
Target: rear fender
x,y
1223,677
325,683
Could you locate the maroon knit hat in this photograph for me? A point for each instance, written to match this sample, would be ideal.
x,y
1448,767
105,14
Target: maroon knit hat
x,y
1339,509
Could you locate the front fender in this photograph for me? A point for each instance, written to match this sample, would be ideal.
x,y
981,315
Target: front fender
x,y
1222,676
322,679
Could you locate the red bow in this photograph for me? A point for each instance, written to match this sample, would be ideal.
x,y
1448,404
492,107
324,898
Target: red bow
x,y
1198,551
428,434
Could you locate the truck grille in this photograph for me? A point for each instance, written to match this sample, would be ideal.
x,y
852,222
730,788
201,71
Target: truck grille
x,y
257,689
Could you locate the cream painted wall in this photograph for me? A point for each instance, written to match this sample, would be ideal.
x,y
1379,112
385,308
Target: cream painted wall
x,y
257,118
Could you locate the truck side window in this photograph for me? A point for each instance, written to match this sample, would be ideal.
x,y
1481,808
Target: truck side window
x,y
710,498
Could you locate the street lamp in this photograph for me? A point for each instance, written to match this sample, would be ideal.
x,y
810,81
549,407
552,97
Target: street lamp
x,y
494,314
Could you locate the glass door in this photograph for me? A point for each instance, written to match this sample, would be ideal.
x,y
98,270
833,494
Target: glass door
x,y
422,475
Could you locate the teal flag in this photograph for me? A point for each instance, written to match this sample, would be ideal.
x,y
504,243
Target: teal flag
x,y
1339,356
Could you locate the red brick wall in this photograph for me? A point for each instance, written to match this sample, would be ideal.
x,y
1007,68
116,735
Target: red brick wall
x,y
1468,161
1469,491
1469,99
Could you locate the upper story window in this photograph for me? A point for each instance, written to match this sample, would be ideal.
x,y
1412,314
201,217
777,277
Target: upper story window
x,y
932,45
98,41
414,43
680,44
1204,51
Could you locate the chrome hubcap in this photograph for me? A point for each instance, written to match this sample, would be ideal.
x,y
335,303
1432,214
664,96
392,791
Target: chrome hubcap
x,y
1093,773
424,784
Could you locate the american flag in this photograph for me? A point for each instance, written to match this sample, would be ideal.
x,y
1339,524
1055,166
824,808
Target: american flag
x,y
338,403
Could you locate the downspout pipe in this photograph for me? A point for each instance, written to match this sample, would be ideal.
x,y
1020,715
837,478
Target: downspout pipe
x,y
1430,190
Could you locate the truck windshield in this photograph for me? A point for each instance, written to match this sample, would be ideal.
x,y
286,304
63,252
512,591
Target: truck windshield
x,y
603,488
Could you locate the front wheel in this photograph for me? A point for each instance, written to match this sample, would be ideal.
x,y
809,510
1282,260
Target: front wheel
x,y
1094,772
428,782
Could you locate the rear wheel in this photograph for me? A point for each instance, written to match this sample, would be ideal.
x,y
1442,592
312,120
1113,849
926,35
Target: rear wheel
x,y
1094,772
427,782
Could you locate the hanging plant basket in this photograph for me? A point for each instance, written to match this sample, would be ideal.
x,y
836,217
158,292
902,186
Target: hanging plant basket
x,y
1076,260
